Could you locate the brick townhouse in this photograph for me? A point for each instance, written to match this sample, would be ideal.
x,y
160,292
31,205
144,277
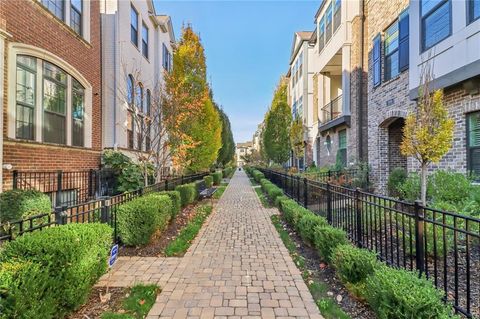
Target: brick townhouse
x,y
50,86
447,37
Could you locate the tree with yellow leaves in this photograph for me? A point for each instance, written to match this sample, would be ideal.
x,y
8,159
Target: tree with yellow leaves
x,y
296,138
428,131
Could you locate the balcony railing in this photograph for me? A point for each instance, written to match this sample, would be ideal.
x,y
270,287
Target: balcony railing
x,y
332,110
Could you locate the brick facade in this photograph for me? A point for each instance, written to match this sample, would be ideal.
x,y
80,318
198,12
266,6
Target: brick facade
x,y
28,22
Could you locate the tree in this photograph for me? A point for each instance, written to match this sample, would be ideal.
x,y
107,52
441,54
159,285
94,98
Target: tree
x,y
428,131
276,136
227,151
296,138
192,122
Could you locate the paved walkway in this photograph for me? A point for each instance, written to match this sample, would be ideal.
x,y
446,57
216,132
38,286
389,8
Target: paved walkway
x,y
237,267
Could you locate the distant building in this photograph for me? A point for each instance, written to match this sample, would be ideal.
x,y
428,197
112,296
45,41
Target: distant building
x,y
241,150
257,138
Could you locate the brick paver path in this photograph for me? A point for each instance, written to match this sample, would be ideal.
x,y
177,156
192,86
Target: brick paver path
x,y
237,267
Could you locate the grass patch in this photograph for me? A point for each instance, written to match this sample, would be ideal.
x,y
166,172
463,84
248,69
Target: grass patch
x,y
262,197
138,303
220,190
327,306
179,245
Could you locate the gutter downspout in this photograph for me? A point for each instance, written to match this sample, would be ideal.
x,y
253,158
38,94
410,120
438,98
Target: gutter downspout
x,y
360,108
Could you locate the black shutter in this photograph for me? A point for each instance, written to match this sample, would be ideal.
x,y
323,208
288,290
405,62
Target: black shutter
x,y
376,60
403,42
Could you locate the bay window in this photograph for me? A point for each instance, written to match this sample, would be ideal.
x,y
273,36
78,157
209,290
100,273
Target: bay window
x,y
78,112
54,104
436,23
473,143
25,97
473,10
328,28
321,34
337,15
166,58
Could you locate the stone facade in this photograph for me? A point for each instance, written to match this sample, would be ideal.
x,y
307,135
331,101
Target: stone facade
x,y
30,29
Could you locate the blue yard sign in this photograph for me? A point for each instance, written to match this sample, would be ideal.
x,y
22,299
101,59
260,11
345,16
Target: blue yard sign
x,y
113,255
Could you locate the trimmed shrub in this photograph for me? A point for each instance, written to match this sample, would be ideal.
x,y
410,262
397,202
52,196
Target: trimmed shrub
x,y
450,187
188,192
293,212
257,175
395,181
208,181
18,204
327,238
306,226
278,201
273,191
227,172
217,178
400,294
353,264
140,218
52,271
176,201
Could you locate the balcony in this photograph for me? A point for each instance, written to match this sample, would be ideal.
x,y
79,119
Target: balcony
x,y
332,110
333,115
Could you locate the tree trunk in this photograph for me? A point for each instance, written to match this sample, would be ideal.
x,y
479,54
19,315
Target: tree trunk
x,y
423,188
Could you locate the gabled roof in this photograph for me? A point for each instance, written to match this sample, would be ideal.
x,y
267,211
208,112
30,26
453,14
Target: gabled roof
x,y
302,36
161,20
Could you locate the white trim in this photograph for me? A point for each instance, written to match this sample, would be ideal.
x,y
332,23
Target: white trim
x,y
24,49
2,82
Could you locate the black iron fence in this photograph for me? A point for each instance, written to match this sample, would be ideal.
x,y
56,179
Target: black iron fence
x,y
103,209
443,246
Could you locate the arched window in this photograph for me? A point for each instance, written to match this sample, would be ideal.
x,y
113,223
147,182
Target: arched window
x,y
148,103
130,92
328,143
139,97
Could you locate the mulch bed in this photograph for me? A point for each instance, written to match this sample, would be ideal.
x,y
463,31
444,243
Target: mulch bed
x,y
93,308
324,273
157,246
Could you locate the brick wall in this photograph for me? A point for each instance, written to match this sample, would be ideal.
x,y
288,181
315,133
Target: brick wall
x,y
29,23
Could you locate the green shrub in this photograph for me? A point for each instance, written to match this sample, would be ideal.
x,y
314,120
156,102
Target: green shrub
x,y
18,204
217,178
293,212
273,191
306,226
278,201
395,181
129,174
176,201
55,267
327,238
140,218
394,293
257,175
227,172
410,189
450,187
353,264
188,193
208,181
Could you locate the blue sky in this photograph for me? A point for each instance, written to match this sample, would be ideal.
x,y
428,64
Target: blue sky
x,y
247,44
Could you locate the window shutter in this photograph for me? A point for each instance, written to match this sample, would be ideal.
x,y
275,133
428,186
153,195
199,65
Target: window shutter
x,y
403,41
376,60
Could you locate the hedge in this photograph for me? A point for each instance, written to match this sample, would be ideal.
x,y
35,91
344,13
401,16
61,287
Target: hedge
x,y
257,175
217,178
395,293
327,238
188,192
227,172
354,264
176,201
48,273
18,204
140,218
208,181
306,226
292,211
278,201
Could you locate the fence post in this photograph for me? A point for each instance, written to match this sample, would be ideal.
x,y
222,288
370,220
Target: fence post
x,y
61,215
305,192
181,180
15,179
105,211
298,188
59,188
166,184
329,204
419,244
358,217
91,192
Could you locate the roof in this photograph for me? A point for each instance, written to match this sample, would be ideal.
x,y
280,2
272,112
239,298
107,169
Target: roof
x,y
319,9
313,38
245,144
303,36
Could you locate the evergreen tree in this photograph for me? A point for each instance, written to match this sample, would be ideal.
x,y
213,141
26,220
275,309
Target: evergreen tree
x,y
226,153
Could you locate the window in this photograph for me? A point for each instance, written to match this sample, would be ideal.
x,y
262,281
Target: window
x,y
139,98
321,34
328,143
130,101
391,52
57,7
54,104
25,101
148,99
337,14
473,10
129,130
144,40
76,15
473,143
328,28
300,67
134,26
130,92
377,68
342,147
403,45
167,58
436,21
78,111
300,107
